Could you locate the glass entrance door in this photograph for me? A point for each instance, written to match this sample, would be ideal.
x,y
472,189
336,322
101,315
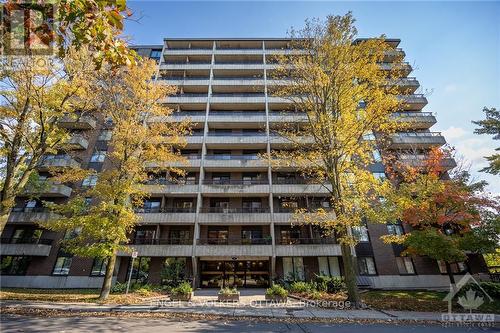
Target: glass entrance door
x,y
240,274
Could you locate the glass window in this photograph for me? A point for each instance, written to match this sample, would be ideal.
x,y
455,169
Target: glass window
x,y
90,181
14,265
379,175
105,135
293,268
395,229
62,266
405,265
72,233
456,267
140,269
360,233
155,54
366,266
369,136
30,205
377,157
173,270
98,156
329,266
99,267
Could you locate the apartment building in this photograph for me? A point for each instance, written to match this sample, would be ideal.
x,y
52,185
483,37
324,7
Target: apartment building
x,y
227,221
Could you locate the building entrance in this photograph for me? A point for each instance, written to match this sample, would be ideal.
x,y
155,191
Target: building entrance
x,y
237,273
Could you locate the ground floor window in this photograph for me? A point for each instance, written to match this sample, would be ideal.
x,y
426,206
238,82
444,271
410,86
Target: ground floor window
x,y
14,265
456,267
329,266
140,270
293,268
173,271
63,264
405,265
235,273
366,266
99,267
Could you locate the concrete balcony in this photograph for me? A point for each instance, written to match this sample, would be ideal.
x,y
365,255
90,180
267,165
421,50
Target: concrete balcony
x,y
420,160
299,189
237,98
184,81
237,51
420,120
246,188
308,250
231,248
287,117
407,84
159,248
247,162
223,140
406,67
184,66
278,141
232,117
77,142
239,66
170,216
74,121
234,216
186,99
30,215
178,189
417,140
413,102
189,51
50,190
237,81
190,164
282,217
52,161
26,247
175,117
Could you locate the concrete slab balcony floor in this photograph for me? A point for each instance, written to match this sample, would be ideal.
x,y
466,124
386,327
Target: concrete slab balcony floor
x,y
233,250
159,250
417,140
234,216
51,190
166,217
59,162
30,215
77,142
74,121
35,247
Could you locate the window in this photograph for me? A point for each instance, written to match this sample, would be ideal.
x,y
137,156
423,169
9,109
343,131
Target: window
x,y
152,206
376,155
26,236
180,236
217,235
99,267
360,233
63,263
105,135
72,233
293,268
369,136
174,269
14,265
456,267
30,205
98,156
89,181
155,54
405,265
366,266
289,235
395,229
379,175
329,266
140,269
250,206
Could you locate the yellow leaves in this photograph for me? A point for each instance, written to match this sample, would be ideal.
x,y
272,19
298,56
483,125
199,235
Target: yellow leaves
x,y
394,239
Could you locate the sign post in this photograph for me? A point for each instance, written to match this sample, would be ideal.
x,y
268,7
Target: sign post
x,y
134,255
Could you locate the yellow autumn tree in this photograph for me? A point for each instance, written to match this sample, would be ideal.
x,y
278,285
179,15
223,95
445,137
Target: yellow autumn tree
x,y
347,99
35,94
141,137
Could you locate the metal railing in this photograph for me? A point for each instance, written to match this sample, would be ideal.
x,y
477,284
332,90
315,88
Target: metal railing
x,y
418,134
161,241
307,241
236,134
165,210
234,241
235,181
236,113
161,181
232,157
221,210
30,210
413,114
26,240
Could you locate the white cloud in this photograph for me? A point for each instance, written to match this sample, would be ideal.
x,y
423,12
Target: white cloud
x,y
451,87
454,133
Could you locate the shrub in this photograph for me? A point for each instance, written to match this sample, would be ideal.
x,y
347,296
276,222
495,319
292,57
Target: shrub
x,y
183,288
329,284
315,295
228,291
301,287
119,287
276,290
491,288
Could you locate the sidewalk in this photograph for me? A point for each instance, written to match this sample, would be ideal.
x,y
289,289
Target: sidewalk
x,y
291,310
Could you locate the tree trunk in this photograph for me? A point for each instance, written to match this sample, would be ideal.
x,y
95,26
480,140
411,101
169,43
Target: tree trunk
x,y
350,276
4,215
451,276
108,278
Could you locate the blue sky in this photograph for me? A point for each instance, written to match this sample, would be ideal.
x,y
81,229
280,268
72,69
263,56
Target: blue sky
x,y
453,46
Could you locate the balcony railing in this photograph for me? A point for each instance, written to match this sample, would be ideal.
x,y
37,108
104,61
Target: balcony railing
x,y
162,181
307,241
30,210
236,113
293,209
221,210
292,181
29,240
232,157
236,134
161,241
165,210
234,241
418,134
236,182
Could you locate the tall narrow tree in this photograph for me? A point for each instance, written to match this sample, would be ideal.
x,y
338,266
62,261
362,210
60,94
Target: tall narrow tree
x,y
491,125
142,138
346,96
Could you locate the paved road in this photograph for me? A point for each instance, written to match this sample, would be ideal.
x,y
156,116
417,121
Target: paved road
x,y
15,323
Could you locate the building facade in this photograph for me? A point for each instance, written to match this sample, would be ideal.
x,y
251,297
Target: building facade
x,y
227,221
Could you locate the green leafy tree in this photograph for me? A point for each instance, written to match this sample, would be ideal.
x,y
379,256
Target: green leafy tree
x,y
133,103
346,96
491,125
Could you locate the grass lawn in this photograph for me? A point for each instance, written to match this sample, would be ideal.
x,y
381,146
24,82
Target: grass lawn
x,y
73,295
419,301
